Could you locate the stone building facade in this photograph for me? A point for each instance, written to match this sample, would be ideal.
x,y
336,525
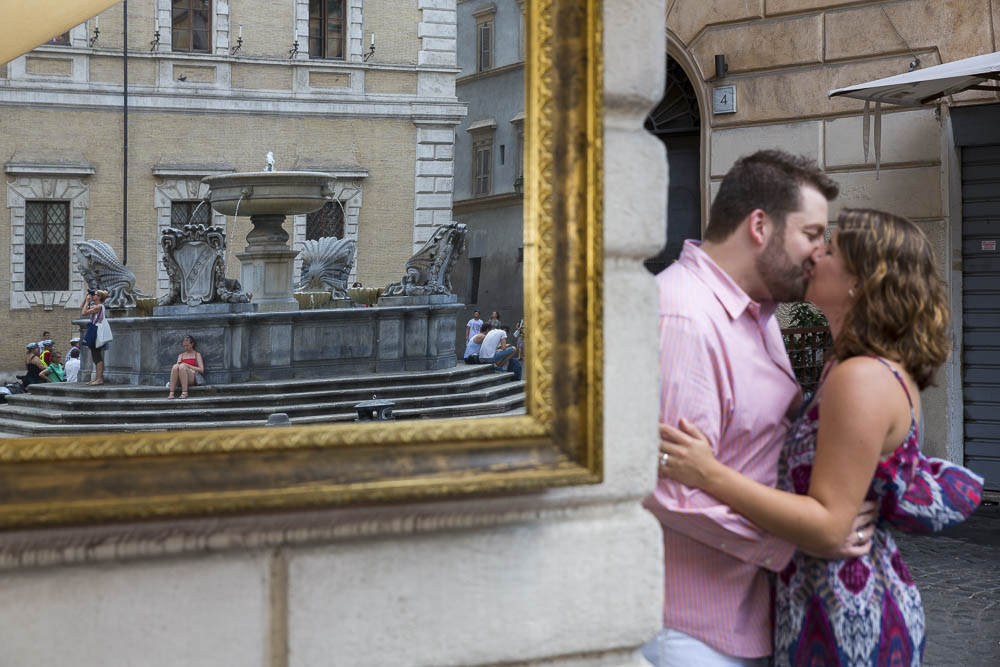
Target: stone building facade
x,y
783,57
489,163
214,95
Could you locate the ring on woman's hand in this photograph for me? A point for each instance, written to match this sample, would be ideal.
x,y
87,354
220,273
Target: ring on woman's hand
x,y
861,537
663,458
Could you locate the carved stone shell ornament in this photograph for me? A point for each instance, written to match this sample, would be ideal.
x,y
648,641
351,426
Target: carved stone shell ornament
x,y
326,265
100,268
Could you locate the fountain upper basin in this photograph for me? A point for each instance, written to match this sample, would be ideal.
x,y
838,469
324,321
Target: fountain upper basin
x,y
269,192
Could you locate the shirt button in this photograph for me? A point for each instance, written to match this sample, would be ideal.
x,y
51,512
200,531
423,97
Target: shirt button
x,y
723,545
767,561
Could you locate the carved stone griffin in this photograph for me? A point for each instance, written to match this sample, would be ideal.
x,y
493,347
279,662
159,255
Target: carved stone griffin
x,y
100,268
326,265
428,271
195,259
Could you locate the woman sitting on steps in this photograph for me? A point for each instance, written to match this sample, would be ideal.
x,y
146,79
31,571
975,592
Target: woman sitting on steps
x,y
188,369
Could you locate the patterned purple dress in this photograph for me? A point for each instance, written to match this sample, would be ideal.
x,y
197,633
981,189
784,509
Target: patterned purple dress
x,y
867,610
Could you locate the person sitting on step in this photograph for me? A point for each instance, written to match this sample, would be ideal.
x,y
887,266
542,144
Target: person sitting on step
x,y
45,350
188,369
74,344
495,347
56,371
72,366
474,345
36,370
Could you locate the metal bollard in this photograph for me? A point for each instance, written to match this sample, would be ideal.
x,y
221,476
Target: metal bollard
x,y
374,410
278,419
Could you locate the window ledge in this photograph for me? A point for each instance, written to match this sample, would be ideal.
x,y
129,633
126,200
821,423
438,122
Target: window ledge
x,y
49,169
484,202
486,74
481,125
485,12
190,170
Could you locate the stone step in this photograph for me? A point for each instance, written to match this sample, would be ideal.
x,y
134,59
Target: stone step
x,y
370,380
212,397
207,410
74,409
513,404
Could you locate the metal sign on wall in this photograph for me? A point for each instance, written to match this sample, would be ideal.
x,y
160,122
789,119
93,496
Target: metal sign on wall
x,y
724,99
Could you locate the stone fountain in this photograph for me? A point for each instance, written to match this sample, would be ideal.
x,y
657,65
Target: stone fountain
x,y
267,197
253,329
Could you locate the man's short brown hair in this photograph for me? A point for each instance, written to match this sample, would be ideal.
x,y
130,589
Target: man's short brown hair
x,y
768,180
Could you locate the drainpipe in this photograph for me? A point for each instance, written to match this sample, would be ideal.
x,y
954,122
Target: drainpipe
x,y
125,136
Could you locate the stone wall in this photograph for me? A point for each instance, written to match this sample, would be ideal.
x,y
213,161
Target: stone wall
x,y
564,577
785,55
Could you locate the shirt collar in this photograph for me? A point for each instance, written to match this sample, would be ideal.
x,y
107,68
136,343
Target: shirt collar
x,y
730,295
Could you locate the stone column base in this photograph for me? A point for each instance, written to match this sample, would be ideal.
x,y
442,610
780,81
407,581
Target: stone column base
x,y
266,273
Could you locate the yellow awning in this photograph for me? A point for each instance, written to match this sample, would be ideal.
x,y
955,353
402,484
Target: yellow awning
x,y
24,24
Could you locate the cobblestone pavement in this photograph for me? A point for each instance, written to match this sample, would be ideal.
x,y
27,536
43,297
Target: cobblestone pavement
x,y
958,574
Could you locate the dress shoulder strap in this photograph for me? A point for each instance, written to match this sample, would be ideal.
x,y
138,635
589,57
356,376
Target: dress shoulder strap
x,y
898,377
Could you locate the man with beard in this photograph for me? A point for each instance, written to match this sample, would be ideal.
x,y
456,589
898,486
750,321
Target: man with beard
x,y
723,367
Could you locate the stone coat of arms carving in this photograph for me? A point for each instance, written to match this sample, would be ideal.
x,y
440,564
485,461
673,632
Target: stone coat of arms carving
x,y
428,271
195,259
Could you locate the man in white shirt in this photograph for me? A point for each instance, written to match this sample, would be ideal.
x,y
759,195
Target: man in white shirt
x,y
495,347
473,326
72,365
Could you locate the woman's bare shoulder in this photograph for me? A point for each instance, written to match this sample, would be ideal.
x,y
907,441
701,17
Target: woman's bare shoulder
x,y
861,370
860,385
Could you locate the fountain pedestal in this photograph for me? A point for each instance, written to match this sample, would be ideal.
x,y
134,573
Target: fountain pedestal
x,y
267,263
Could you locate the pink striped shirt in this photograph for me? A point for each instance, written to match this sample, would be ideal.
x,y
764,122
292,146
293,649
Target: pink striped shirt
x,y
723,366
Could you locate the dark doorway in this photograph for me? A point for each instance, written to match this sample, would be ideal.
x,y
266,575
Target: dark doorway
x,y
676,121
977,133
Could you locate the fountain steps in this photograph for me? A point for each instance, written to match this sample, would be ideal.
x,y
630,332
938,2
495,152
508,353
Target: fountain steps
x,y
63,409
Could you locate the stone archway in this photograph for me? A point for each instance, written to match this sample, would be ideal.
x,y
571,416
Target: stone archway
x,y
676,121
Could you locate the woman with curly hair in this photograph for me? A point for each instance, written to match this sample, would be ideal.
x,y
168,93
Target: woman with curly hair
x,y
856,440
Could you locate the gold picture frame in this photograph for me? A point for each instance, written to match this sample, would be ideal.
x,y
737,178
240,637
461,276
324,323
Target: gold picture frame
x,y
89,479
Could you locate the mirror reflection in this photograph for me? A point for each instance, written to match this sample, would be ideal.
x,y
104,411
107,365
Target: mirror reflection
x,y
212,227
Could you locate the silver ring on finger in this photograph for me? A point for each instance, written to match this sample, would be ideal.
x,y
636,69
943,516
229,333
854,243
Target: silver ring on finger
x,y
664,457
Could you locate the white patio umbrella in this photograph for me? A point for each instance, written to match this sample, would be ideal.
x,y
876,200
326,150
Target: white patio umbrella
x,y
920,87
24,24
926,85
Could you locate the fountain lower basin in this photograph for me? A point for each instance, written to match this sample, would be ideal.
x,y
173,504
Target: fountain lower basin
x,y
241,347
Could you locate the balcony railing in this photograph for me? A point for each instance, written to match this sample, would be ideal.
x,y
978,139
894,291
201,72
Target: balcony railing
x,y
806,348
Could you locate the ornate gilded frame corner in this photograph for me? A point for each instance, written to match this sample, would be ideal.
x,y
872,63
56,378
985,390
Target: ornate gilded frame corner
x,y
58,481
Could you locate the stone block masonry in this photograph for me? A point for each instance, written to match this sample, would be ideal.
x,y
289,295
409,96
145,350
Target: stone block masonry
x,y
434,169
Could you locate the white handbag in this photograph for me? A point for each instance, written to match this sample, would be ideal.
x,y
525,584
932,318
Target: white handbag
x,y
103,330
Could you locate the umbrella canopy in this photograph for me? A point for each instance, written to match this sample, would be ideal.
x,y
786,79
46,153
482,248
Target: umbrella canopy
x,y
926,85
24,24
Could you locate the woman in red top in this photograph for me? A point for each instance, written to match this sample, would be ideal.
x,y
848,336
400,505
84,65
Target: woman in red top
x,y
188,368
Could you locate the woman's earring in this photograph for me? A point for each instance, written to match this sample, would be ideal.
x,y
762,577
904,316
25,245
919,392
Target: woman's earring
x,y
850,292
